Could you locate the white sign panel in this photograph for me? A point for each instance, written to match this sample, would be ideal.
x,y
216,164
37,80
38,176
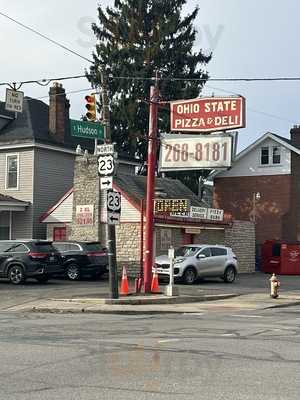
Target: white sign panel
x,y
106,183
14,100
85,214
113,218
105,149
198,212
106,165
182,152
215,214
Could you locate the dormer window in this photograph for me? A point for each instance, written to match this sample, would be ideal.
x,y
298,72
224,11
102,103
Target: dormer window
x,y
270,155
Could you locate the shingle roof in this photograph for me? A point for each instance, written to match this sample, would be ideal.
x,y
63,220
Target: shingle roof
x,y
10,199
135,187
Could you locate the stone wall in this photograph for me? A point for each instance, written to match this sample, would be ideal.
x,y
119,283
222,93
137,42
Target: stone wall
x,y
86,192
128,237
241,238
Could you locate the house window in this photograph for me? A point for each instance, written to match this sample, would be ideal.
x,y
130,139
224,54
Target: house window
x,y
12,169
165,239
276,155
264,158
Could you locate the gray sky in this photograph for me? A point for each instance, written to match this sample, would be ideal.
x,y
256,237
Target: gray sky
x,y
255,38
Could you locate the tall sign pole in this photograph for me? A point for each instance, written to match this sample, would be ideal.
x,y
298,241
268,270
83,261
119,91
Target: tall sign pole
x,y
110,229
151,165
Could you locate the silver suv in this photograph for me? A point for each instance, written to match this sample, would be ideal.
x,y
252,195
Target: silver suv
x,y
200,261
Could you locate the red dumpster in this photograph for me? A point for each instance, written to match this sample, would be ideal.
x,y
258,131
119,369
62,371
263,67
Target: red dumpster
x,y
281,258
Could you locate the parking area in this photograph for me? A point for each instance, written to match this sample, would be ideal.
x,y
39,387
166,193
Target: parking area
x,y
11,295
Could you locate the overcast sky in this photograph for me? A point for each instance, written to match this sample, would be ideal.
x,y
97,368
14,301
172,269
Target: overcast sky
x,y
257,38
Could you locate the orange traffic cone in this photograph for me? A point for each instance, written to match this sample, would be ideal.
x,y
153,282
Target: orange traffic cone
x,y
154,283
124,283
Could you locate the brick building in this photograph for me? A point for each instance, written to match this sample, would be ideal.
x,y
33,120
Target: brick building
x,y
263,186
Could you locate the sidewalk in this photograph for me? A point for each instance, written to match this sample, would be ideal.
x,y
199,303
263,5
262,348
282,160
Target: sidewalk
x,y
161,304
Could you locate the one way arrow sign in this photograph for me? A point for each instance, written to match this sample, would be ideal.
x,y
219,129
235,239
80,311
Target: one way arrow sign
x,y
113,218
106,183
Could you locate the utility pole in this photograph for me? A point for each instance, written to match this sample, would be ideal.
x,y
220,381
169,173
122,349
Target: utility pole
x,y
151,165
110,229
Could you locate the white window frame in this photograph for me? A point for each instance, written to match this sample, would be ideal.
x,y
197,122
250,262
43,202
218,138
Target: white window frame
x,y
260,156
280,154
6,170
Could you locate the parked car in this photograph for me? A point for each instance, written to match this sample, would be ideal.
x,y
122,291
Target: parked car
x,y
82,258
200,261
22,259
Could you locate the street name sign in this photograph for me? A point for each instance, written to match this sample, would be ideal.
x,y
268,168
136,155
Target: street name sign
x,y
185,152
106,165
14,100
105,149
106,183
113,206
208,114
88,130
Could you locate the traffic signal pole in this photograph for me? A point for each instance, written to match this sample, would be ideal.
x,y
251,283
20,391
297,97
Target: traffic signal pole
x,y
151,165
110,229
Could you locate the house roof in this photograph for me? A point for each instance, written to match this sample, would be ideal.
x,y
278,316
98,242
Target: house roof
x,y
9,199
269,135
56,205
135,189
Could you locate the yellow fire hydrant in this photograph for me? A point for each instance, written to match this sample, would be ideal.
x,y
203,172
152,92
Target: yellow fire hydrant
x,y
275,284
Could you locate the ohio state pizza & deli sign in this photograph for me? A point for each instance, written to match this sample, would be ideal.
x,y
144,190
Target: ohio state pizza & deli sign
x,y
209,114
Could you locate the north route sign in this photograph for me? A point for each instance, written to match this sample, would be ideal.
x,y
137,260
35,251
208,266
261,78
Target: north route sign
x,y
210,114
88,130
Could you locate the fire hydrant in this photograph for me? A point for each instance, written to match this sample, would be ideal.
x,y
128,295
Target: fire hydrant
x,y
275,284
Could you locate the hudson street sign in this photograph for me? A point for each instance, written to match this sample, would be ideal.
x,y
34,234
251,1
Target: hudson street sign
x,y
88,130
208,114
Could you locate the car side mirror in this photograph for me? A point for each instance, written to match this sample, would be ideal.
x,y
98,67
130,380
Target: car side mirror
x,y
201,256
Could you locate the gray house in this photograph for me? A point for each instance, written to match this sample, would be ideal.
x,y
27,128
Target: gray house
x,y
37,156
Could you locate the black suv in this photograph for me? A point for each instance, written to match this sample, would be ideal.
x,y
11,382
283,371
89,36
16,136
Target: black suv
x,y
22,259
82,258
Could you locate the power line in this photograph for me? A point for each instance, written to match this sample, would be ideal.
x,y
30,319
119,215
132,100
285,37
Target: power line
x,y
45,37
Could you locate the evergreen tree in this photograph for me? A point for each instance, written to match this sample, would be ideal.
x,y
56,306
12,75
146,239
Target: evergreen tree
x,y
136,38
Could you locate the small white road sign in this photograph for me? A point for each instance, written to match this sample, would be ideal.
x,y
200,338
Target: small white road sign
x,y
105,149
106,165
113,218
14,100
113,207
113,201
106,183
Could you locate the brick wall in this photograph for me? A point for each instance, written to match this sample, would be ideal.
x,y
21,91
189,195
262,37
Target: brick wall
x,y
235,195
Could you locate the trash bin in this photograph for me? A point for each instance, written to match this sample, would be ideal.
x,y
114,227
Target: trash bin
x,y
281,258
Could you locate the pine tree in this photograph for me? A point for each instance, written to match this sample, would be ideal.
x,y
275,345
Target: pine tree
x,y
136,38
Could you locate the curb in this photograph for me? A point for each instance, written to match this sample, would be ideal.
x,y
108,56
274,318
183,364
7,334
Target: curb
x,y
292,303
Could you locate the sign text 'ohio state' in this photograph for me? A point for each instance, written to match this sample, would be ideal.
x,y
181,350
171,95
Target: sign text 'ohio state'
x,y
208,114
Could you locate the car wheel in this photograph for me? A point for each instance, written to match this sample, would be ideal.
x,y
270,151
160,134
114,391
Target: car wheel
x,y
16,274
229,275
73,272
42,278
189,276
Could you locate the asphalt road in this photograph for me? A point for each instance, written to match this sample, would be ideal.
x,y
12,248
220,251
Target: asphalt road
x,y
11,295
218,355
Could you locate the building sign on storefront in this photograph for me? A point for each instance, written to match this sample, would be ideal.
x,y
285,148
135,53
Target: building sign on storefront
x,y
85,215
182,152
209,114
162,206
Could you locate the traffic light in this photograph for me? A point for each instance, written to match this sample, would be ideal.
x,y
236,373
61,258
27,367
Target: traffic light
x,y
91,107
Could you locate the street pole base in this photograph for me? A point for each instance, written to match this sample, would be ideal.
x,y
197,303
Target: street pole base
x,y
171,291
274,296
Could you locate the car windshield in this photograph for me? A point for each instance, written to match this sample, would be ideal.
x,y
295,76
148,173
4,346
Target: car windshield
x,y
186,251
